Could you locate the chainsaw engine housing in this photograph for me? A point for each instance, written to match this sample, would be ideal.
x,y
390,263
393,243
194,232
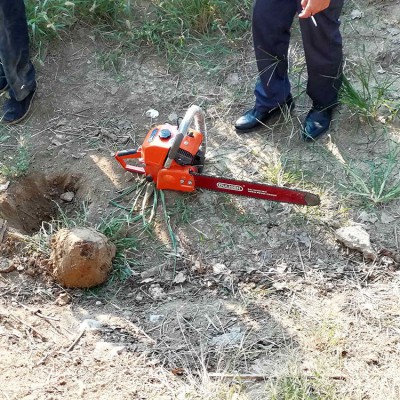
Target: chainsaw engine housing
x,y
154,151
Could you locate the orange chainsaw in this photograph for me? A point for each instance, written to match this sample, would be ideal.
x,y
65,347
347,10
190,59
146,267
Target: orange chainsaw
x,y
173,158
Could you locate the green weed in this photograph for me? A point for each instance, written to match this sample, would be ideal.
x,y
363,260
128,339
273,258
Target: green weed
x,y
49,18
116,228
110,60
297,387
17,165
380,182
182,210
368,94
276,172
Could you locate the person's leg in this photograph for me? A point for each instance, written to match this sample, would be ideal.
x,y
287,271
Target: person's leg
x,y
324,57
3,80
271,24
14,54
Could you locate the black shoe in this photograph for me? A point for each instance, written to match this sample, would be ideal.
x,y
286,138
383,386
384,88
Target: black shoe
x,y
253,118
316,123
15,111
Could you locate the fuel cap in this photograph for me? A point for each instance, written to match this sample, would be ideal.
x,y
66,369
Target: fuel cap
x,y
165,134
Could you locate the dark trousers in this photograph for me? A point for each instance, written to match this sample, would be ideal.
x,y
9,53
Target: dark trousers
x,y
15,65
272,20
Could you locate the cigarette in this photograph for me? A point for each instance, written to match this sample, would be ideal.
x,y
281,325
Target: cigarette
x,y
313,20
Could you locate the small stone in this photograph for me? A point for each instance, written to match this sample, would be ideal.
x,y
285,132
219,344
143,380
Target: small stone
x,y
356,14
156,318
228,339
78,156
91,325
355,237
152,113
156,292
387,260
220,269
4,186
63,299
6,265
180,278
67,196
98,303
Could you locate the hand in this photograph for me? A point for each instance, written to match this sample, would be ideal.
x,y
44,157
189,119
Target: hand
x,y
312,7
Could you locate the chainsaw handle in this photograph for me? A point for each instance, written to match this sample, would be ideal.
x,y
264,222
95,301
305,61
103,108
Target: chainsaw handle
x,y
120,156
124,153
193,114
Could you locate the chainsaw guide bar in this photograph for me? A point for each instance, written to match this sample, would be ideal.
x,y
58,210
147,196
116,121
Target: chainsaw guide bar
x,y
255,190
173,158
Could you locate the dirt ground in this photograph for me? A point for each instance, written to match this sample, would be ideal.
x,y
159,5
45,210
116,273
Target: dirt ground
x,y
262,291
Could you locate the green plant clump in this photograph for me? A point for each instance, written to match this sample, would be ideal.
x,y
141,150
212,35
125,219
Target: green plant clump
x,y
380,183
176,21
301,388
16,166
368,95
48,18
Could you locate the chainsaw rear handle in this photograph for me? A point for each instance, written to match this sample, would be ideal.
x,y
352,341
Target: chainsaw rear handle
x,y
193,114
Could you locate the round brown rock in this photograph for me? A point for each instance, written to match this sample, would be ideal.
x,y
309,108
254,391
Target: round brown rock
x,y
81,257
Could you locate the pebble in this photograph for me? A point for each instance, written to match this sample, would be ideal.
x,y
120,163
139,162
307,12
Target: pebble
x,y
67,196
6,265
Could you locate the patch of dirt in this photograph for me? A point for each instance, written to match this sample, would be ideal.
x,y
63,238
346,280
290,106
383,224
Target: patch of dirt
x,y
258,289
